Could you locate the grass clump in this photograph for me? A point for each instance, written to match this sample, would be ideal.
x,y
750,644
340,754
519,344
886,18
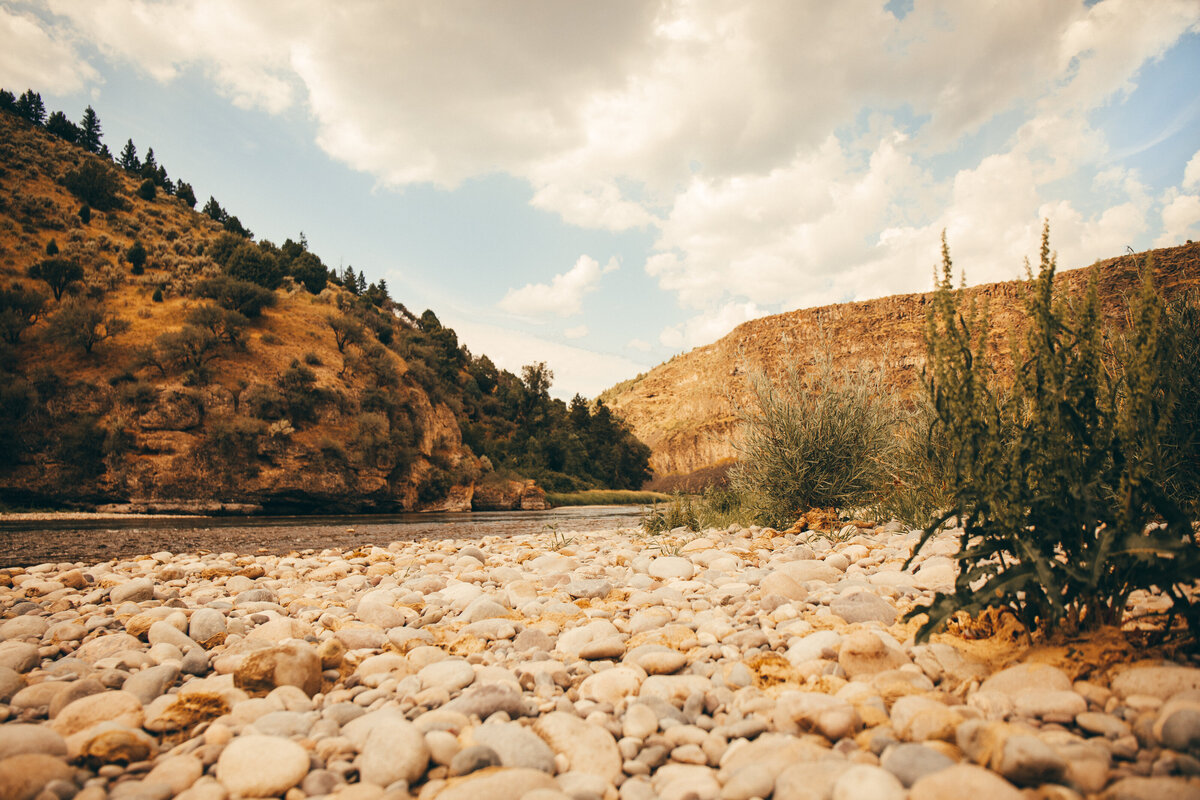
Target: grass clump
x,y
604,497
817,439
716,507
1059,478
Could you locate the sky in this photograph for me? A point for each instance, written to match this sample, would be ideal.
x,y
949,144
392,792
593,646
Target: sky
x,y
601,186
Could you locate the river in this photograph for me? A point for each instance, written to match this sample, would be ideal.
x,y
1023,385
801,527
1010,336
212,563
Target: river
x,y
27,542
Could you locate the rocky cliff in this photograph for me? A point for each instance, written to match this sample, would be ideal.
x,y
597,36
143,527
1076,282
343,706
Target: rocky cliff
x,y
685,409
282,416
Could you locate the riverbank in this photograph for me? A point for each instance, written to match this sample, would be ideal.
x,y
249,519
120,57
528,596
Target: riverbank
x,y
605,497
586,664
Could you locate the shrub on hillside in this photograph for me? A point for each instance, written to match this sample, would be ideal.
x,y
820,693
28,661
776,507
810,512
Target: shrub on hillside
x,y
20,308
1058,480
244,297
84,324
95,184
249,262
820,439
58,274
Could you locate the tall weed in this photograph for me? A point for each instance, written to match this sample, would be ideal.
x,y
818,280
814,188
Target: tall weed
x,y
1058,480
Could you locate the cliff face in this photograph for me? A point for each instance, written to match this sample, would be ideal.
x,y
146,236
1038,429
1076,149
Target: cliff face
x,y
285,419
686,408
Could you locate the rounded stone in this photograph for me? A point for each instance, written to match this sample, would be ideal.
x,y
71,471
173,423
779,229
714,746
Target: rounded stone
x,y
451,674
963,780
516,745
261,766
473,758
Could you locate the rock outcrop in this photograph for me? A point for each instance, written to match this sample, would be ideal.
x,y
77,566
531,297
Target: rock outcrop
x,y
686,408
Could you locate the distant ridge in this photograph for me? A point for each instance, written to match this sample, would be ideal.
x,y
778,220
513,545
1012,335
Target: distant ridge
x,y
684,408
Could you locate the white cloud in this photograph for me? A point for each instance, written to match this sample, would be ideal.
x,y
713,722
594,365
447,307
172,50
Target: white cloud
x,y
1181,218
33,57
578,332
576,369
640,345
786,154
709,326
1191,173
562,297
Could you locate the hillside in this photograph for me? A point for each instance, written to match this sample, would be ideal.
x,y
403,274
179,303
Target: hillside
x,y
187,367
685,409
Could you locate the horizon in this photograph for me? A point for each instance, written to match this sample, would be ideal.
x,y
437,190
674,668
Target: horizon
x,y
602,191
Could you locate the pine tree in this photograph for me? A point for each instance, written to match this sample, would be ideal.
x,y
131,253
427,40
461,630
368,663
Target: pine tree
x,y
8,101
105,153
63,128
129,157
350,280
150,166
213,209
30,106
89,131
185,193
362,282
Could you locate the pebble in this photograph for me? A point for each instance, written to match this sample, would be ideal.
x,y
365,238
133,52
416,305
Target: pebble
x,y
261,766
733,665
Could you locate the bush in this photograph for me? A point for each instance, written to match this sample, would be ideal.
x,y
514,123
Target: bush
x,y
136,256
19,309
244,297
157,297
1182,439
95,184
816,440
252,263
232,444
85,213
58,273
147,190
917,488
1057,479
84,324
717,507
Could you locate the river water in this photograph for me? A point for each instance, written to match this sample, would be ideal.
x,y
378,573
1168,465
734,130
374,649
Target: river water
x,y
26,542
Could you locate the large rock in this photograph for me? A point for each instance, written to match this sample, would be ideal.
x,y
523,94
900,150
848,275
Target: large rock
x,y
863,607
119,707
865,653
516,745
288,664
17,738
498,784
1161,681
501,495
261,766
390,747
963,781
587,747
23,777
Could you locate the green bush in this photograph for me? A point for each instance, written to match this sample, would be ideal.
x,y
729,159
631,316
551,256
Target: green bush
x,y
84,324
245,297
58,273
95,184
20,308
1182,439
1057,480
232,444
717,507
917,487
821,439
147,190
